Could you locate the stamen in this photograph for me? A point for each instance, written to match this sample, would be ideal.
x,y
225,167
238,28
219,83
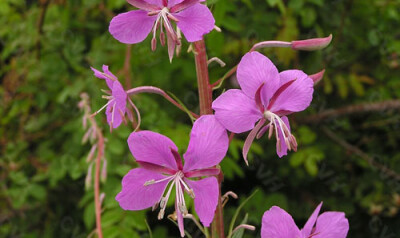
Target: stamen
x,y
271,130
102,108
107,97
158,181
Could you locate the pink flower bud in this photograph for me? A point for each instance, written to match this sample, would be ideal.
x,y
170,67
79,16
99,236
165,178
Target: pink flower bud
x,y
312,44
318,76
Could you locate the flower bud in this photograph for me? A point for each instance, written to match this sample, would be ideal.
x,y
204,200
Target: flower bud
x,y
312,44
318,76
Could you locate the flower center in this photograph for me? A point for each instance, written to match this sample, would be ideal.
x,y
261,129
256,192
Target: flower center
x,y
163,19
276,122
180,185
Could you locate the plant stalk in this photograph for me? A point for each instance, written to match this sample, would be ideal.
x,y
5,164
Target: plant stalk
x,y
97,201
205,100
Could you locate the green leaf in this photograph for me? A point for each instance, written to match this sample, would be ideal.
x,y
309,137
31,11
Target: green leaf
x,y
232,224
239,233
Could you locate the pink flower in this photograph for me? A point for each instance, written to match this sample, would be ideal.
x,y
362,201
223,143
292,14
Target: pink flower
x,y
116,105
277,223
191,17
266,96
161,170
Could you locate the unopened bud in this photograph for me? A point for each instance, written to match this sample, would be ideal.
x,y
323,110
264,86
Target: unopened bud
x,y
318,76
104,171
312,44
91,153
88,179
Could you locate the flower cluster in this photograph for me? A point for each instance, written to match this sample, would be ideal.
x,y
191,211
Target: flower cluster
x,y
265,98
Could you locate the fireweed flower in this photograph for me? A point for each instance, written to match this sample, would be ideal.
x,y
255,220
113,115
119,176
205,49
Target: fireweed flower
x,y
266,96
191,17
161,170
277,223
117,99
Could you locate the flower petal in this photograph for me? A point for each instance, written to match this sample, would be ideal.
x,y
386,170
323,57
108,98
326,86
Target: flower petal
x,y
236,111
101,75
298,95
208,144
306,231
151,147
172,3
131,27
116,109
255,69
206,194
277,223
134,195
179,218
119,95
195,21
283,150
148,5
114,117
250,138
331,225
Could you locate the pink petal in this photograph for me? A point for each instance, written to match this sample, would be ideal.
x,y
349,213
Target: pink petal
x,y
118,106
331,225
236,111
277,223
114,117
100,75
179,220
206,194
298,95
195,21
119,95
172,3
255,69
283,150
306,231
134,195
250,139
183,5
151,147
208,144
171,46
148,5
131,27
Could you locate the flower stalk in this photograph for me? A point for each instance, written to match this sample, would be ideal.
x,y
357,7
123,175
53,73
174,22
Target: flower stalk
x,y
205,100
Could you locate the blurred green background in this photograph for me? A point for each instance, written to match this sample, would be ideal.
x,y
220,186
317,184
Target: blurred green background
x,y
348,139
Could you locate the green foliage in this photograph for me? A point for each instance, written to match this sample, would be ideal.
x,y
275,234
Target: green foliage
x,y
45,54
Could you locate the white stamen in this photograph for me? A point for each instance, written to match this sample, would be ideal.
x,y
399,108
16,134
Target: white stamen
x,y
102,108
180,185
275,120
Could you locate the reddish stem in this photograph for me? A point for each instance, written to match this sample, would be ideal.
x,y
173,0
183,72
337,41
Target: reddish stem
x,y
205,99
205,90
97,203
